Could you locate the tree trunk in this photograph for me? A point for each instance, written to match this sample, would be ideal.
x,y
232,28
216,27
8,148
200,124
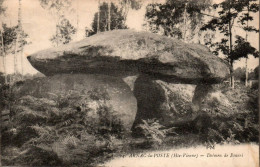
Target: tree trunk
x,y
3,54
98,17
77,20
184,22
17,41
22,64
232,79
246,81
127,6
15,54
232,82
58,20
109,15
20,31
57,34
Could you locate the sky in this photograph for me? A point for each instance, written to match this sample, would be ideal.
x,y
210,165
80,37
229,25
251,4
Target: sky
x,y
39,24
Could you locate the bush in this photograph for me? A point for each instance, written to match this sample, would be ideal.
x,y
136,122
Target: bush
x,y
237,123
252,102
230,118
68,128
239,128
36,156
255,85
153,132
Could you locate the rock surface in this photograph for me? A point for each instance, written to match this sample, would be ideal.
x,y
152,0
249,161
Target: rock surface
x,y
154,67
121,97
175,104
166,102
126,52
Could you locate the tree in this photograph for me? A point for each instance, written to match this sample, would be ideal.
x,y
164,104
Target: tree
x,y
129,4
175,17
9,38
98,17
89,32
254,74
13,39
244,23
19,40
229,12
58,8
117,19
239,74
109,16
125,6
2,10
10,42
64,32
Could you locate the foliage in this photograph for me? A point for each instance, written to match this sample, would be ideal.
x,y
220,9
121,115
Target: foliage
x,y
64,29
59,7
64,32
253,99
2,9
245,17
254,74
78,128
240,74
170,16
234,129
133,4
18,78
9,39
2,79
37,156
219,122
230,13
117,19
89,32
238,124
153,131
67,126
243,48
127,4
256,71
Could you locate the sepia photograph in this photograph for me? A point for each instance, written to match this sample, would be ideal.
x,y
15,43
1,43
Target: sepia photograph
x,y
129,83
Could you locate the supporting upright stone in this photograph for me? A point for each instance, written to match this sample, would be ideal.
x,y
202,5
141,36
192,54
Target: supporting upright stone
x,y
121,97
150,98
157,100
200,93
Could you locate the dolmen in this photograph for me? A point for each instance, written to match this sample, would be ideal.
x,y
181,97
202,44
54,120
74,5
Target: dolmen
x,y
144,73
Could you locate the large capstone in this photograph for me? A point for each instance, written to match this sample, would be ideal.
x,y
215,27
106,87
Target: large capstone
x,y
126,52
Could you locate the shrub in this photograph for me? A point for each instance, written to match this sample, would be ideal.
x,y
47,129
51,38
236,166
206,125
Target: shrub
x,y
252,102
66,127
36,156
236,122
235,128
153,131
